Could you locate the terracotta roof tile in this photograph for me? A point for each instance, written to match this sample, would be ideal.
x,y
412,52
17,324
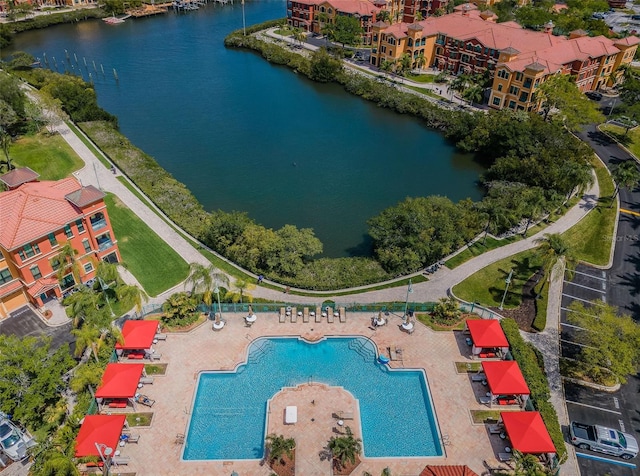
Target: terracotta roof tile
x,y
19,176
361,7
85,196
35,209
10,287
432,470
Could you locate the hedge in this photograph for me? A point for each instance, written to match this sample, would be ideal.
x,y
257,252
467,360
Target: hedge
x,y
532,366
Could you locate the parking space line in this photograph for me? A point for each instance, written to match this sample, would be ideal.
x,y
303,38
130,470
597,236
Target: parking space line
x,y
579,299
576,343
590,275
585,287
605,460
596,408
571,325
576,312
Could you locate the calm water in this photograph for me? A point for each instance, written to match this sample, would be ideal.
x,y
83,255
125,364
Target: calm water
x,y
230,408
245,135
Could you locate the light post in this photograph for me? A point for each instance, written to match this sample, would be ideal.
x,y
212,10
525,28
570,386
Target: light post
x,y
244,28
406,302
105,455
506,288
104,288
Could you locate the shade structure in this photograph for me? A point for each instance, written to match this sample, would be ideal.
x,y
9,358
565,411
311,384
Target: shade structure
x,y
101,429
487,333
527,432
138,335
449,470
505,378
120,381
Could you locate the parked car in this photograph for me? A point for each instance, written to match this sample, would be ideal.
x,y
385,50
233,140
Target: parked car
x,y
635,17
595,95
13,441
603,439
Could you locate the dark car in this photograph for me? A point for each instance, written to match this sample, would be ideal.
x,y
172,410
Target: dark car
x,y
595,95
635,17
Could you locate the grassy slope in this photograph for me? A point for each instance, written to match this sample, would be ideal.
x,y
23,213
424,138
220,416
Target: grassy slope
x,y
50,156
152,261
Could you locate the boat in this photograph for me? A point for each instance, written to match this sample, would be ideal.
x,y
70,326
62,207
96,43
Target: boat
x,y
113,20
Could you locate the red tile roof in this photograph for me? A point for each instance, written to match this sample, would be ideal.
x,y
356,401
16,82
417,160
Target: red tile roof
x,y
431,470
10,287
34,210
361,7
85,196
19,176
42,285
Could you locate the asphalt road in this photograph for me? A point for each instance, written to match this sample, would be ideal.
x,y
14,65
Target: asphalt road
x,y
25,323
619,286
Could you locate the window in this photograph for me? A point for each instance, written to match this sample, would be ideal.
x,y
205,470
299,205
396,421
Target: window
x,y
503,74
469,46
68,232
513,90
527,83
88,268
35,271
55,263
496,101
28,251
499,87
518,76
512,104
52,240
524,97
67,282
329,11
87,246
5,276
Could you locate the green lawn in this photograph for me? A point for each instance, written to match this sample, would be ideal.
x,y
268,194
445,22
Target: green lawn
x,y
50,156
152,261
421,78
631,140
476,249
591,237
487,285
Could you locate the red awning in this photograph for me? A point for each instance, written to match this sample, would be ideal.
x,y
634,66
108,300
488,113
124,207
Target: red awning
x,y
504,378
120,381
527,432
487,333
138,334
101,429
450,470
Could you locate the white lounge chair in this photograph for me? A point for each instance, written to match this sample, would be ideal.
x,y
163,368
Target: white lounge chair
x,y
146,380
504,457
120,460
478,377
496,429
485,400
290,415
161,336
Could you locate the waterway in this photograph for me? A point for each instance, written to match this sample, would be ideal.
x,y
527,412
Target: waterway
x,y
243,134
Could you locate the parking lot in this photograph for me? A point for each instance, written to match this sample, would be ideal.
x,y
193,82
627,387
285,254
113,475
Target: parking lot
x,y
24,322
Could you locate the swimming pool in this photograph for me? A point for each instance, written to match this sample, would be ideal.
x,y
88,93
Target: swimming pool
x,y
229,410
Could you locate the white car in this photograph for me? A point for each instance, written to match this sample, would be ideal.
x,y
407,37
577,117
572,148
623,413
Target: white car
x,y
13,441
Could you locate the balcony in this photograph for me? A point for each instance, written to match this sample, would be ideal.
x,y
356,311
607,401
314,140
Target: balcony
x,y
98,224
104,245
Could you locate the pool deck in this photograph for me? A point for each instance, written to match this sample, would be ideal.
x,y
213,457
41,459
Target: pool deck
x,y
186,354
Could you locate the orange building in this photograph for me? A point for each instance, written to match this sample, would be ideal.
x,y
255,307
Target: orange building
x,y
36,219
469,41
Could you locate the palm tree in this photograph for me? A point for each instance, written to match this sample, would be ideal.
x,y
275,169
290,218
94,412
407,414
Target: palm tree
x,y
626,175
108,272
131,296
384,16
82,305
278,446
534,203
203,279
421,61
241,287
67,262
177,308
299,35
553,249
345,448
474,94
86,337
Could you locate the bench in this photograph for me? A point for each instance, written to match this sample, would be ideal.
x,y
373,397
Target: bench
x,y
343,415
487,355
507,401
136,355
117,404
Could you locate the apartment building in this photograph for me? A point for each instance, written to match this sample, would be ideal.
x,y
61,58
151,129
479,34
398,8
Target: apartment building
x,y
36,220
469,41
314,15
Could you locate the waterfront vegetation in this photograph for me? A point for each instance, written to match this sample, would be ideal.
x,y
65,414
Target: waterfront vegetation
x,y
150,259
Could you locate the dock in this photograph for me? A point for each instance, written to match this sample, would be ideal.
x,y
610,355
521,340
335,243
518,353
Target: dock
x,y
147,10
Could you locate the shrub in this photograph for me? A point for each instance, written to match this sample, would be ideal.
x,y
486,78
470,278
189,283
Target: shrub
x,y
531,364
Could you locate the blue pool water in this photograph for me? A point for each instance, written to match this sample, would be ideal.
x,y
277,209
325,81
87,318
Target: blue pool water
x,y
229,411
